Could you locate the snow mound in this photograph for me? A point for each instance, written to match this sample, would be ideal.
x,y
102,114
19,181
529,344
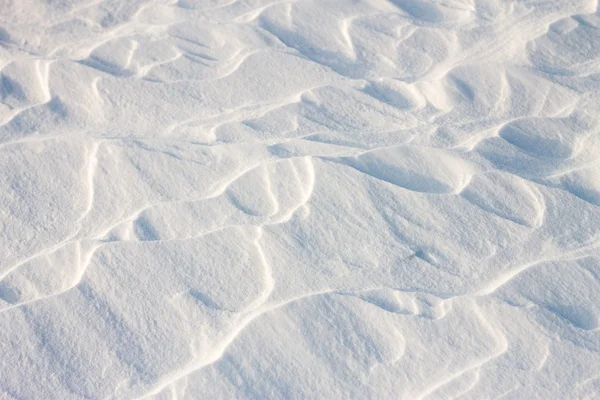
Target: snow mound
x,y
306,199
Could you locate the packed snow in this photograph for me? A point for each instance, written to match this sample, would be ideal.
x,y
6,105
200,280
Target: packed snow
x,y
299,199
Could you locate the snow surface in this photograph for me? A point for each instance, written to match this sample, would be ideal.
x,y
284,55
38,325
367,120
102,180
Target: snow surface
x,y
303,199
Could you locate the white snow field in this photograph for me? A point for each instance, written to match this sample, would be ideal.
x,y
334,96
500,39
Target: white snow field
x,y
299,199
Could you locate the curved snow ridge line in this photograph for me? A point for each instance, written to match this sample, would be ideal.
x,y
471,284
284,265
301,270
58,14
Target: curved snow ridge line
x,y
414,168
222,348
249,317
24,87
276,216
83,259
218,189
92,159
500,341
90,169
522,202
501,347
275,219
507,276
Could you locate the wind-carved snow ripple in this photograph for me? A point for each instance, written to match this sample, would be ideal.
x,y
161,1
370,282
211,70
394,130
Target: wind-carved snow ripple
x,y
299,199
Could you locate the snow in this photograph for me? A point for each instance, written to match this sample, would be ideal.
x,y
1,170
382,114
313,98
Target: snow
x,y
263,199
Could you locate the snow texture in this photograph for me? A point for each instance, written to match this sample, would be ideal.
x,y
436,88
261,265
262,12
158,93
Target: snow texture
x,y
299,199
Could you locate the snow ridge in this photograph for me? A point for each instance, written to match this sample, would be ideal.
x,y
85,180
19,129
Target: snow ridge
x,y
302,199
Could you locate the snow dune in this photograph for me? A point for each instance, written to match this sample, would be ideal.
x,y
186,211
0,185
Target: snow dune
x,y
304,199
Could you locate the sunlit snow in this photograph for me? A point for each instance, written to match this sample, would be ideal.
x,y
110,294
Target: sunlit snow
x,y
303,199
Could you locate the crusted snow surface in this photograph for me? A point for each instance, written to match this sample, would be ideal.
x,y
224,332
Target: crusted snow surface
x,y
299,199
